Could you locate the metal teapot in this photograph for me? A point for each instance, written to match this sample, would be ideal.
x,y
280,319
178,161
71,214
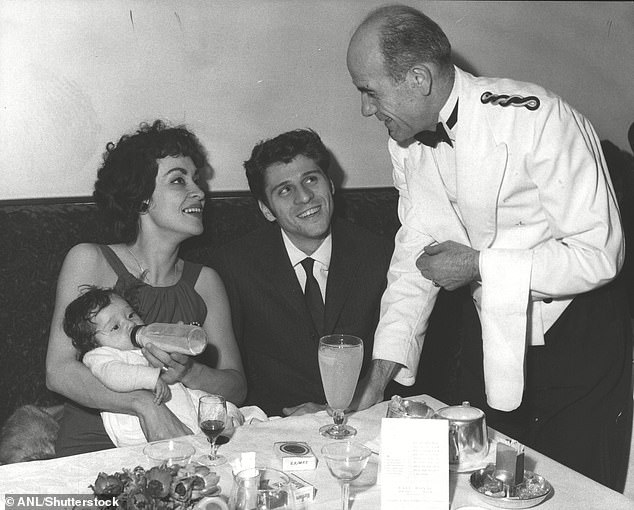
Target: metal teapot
x,y
468,436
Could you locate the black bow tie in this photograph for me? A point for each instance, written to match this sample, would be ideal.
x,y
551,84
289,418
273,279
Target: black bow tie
x,y
433,138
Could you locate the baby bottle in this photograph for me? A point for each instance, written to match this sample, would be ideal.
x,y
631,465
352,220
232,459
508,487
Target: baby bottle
x,y
183,338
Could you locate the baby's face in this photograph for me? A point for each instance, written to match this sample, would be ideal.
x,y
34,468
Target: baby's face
x,y
114,324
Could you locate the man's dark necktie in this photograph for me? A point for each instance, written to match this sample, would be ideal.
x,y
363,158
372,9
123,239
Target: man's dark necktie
x,y
433,138
313,295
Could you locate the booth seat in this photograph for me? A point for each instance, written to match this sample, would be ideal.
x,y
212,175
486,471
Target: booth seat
x,y
36,235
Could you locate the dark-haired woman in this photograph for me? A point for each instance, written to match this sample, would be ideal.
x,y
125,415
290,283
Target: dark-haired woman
x,y
150,187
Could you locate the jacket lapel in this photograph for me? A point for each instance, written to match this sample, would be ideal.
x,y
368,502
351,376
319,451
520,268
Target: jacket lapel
x,y
481,164
426,188
344,265
276,266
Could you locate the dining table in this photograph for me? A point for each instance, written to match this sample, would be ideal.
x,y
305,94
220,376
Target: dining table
x,y
74,475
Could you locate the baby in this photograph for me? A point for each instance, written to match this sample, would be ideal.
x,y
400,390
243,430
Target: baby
x,y
99,322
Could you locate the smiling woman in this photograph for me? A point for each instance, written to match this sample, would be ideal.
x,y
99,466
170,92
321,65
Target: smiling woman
x,y
148,187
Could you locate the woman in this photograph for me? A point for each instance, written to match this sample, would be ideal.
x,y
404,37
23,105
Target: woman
x,y
149,186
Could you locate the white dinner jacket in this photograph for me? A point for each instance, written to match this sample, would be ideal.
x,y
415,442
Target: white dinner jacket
x,y
535,199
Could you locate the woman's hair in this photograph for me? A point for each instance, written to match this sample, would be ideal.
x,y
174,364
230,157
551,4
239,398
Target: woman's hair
x,y
407,37
79,315
283,149
126,180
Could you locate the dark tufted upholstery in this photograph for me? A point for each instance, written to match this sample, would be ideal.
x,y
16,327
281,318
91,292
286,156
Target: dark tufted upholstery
x,y
36,234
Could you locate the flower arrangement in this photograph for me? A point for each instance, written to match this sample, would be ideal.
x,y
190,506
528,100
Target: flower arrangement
x,y
159,488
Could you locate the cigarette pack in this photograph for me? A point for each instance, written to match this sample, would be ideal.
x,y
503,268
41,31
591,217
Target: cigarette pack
x,y
303,491
295,456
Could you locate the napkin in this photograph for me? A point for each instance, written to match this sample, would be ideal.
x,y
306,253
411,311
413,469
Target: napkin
x,y
503,314
252,414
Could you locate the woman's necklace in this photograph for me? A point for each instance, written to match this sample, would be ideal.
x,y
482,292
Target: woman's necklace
x,y
143,272
143,275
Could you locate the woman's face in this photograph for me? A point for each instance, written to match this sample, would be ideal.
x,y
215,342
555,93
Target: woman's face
x,y
177,202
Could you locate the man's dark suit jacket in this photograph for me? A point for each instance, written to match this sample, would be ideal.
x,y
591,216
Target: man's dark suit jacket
x,y
271,321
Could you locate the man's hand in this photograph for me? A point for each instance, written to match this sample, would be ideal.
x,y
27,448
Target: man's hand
x,y
366,395
307,408
370,389
175,366
449,264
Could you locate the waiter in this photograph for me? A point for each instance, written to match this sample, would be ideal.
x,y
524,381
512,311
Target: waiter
x,y
503,187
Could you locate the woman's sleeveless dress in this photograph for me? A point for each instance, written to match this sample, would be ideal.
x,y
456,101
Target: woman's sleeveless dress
x,y
81,429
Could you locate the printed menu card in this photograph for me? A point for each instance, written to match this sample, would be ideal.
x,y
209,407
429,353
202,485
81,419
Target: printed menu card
x,y
414,464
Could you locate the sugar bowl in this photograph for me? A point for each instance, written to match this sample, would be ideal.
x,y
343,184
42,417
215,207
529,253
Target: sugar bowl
x,y
406,408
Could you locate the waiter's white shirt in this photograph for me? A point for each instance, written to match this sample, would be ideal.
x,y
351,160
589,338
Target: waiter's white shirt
x,y
532,194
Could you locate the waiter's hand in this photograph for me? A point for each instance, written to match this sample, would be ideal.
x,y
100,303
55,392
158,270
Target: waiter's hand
x,y
449,264
366,395
370,389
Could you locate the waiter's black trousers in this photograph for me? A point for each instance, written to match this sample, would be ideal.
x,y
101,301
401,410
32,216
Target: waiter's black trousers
x,y
577,404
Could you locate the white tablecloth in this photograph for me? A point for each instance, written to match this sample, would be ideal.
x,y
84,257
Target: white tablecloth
x,y
73,475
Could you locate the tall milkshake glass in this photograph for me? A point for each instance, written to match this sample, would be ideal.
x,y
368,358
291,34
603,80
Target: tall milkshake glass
x,y
340,358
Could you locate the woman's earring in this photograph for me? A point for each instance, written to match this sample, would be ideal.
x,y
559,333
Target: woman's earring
x,y
145,205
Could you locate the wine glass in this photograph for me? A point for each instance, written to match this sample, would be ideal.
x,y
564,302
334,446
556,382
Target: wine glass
x,y
262,488
346,461
340,358
212,418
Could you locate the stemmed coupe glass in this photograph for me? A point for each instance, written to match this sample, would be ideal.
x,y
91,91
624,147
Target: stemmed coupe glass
x,y
340,358
346,461
212,419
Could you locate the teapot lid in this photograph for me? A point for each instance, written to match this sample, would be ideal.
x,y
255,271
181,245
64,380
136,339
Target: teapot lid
x,y
463,412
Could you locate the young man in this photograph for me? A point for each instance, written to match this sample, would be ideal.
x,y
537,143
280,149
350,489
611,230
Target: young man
x,y
277,329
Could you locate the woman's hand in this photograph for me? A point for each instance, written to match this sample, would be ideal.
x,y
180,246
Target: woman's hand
x,y
158,422
174,367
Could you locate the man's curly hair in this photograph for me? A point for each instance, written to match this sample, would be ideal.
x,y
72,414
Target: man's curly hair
x,y
126,180
283,149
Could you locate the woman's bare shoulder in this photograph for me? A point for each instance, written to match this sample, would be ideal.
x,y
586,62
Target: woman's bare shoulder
x,y
84,251
209,273
209,281
87,259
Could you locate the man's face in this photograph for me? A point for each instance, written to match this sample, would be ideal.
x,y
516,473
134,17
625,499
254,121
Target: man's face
x,y
299,198
400,106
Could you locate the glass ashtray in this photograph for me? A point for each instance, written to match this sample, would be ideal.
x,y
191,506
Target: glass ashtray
x,y
169,452
531,492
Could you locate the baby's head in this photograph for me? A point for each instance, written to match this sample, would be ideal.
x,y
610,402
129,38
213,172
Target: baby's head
x,y
100,318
